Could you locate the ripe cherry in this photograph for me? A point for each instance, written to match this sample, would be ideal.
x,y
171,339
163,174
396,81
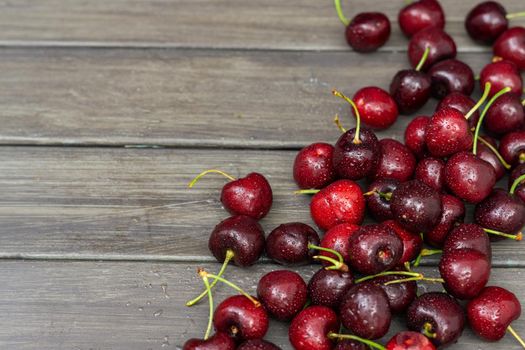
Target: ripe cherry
x,y
468,236
415,134
338,238
395,161
376,107
310,328
486,22
420,15
447,133
441,46
431,171
453,212
505,115
501,74
250,195
400,295
217,341
511,46
488,151
327,287
512,147
378,197
313,166
292,244
462,103
257,344
519,190
412,243
409,341
450,76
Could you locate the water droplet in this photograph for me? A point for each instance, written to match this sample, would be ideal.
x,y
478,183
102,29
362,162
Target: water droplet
x,y
141,308
148,302
157,313
164,287
128,303
166,342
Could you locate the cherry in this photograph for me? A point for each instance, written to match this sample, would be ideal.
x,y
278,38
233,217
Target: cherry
x,y
348,344
450,76
291,244
491,313
431,171
462,103
367,31
395,161
310,328
468,236
453,212
240,318
327,287
412,243
501,74
409,341
378,198
410,88
218,341
365,311
465,271
337,238
487,150
338,203
512,147
374,248
511,46
441,46
420,15
313,166
257,344
283,293
400,295
416,206
250,195
438,316
415,134
505,115
519,190
447,133
376,107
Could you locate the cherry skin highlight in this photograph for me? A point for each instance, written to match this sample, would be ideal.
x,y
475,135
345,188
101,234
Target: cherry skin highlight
x,y
289,244
378,198
431,171
257,344
420,15
395,161
376,107
468,236
501,74
250,195
512,147
368,31
217,341
511,46
415,135
412,243
462,103
453,212
327,287
501,211
486,22
441,45
451,76
310,328
355,161
313,166
447,133
410,89
407,340
337,238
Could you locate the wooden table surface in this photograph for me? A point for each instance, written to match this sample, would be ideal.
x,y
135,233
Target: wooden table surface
x,y
109,108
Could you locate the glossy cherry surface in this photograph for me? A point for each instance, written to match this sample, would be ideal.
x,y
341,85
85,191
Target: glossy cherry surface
x,y
257,344
327,287
420,15
486,22
512,147
410,89
355,161
412,243
447,133
395,161
511,46
468,236
310,328
218,341
462,103
431,171
501,211
338,238
505,115
415,135
368,31
501,74
376,107
489,156
400,295
450,76
441,45
407,340
288,244
378,198
453,212
520,189
313,166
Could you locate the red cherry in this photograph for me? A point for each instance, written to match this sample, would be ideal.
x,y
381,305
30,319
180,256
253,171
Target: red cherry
x,y
431,171
368,31
396,161
337,238
376,107
420,15
501,74
486,22
257,344
450,76
407,340
511,46
218,341
447,133
462,103
441,46
313,166
310,328
415,133
505,115
453,213
412,243
512,147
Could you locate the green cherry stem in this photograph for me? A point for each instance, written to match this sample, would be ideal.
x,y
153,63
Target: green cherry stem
x,y
229,255
339,10
515,15
388,273
338,264
516,183
495,151
426,252
370,343
480,102
356,140
485,110
385,195
427,330
311,191
338,124
232,285
516,335
210,300
192,183
517,237
523,102
423,59
421,277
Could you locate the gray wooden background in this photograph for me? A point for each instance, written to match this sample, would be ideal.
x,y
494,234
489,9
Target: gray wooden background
x,y
109,108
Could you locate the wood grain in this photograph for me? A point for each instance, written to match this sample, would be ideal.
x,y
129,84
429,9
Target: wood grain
x,y
137,306
132,204
271,24
194,98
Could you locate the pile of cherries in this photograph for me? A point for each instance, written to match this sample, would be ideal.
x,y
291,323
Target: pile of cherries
x,y
416,192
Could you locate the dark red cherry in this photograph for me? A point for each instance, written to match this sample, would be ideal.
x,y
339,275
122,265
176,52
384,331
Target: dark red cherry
x,y
338,203
410,89
347,344
486,22
450,76
431,171
310,328
511,46
240,234
453,213
365,311
313,166
400,295
407,340
465,271
520,189
415,134
512,147
353,160
240,318
368,31
501,211
437,315
416,206
257,344
283,293
374,248
420,15
327,287
469,177
338,238
501,74
395,161
447,133
289,244
412,243
376,107
462,103
378,198
505,115
489,156
492,312
468,236
441,45
218,341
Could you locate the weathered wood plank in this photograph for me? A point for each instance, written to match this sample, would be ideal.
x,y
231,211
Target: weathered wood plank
x,y
104,305
185,98
97,203
273,24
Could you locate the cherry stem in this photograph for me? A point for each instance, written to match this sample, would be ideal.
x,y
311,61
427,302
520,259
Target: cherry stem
x,y
426,252
427,330
190,185
344,20
229,255
423,59
516,335
517,237
480,102
338,264
515,15
523,102
388,273
357,115
516,183
521,157
328,250
370,343
485,110
338,123
232,285
496,153
210,299
311,191
385,195
421,277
